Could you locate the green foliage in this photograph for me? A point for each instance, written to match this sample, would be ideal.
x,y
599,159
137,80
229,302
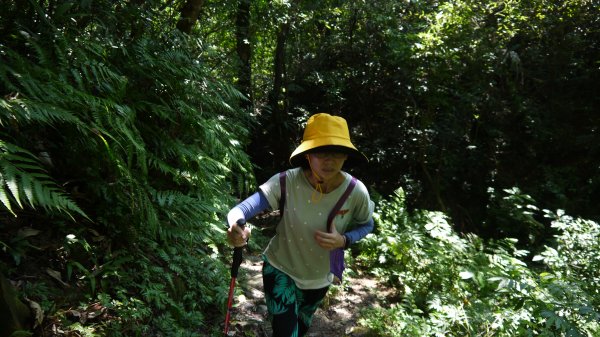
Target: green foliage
x,y
130,134
175,289
465,286
449,98
24,180
510,208
573,255
122,141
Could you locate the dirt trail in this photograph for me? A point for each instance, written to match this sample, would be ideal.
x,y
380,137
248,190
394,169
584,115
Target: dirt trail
x,y
336,318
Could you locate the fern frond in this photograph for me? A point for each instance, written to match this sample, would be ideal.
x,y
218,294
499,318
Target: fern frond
x,y
24,180
28,111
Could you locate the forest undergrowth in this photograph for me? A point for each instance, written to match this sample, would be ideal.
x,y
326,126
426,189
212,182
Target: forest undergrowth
x,y
124,141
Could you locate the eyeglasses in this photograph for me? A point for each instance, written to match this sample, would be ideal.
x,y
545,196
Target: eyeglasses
x,y
334,155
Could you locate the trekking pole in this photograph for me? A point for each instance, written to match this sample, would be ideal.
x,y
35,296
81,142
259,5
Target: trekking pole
x,y
235,265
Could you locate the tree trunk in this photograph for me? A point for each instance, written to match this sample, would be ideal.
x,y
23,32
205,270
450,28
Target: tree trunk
x,y
277,102
270,144
189,15
279,67
244,52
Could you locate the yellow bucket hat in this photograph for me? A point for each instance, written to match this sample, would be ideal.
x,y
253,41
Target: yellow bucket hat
x,y
325,130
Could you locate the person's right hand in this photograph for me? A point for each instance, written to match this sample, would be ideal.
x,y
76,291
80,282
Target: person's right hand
x,y
236,236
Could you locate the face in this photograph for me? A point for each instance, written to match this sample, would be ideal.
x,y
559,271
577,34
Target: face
x,y
327,164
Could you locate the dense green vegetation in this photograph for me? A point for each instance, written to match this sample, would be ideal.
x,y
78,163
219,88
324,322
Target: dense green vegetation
x,y
461,285
128,128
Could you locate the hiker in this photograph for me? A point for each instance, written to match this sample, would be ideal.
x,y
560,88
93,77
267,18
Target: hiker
x,y
305,253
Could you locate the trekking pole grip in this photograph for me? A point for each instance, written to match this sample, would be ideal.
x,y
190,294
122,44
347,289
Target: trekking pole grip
x,y
237,252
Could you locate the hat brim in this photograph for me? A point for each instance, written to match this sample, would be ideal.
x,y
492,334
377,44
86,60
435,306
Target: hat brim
x,y
341,144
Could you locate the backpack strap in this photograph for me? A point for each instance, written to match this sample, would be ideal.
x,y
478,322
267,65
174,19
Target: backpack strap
x,y
282,179
340,203
336,256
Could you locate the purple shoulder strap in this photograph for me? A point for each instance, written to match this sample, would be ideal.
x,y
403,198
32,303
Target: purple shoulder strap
x,y
340,203
336,256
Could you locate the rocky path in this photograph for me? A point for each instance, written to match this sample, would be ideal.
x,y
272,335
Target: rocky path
x,y
338,317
